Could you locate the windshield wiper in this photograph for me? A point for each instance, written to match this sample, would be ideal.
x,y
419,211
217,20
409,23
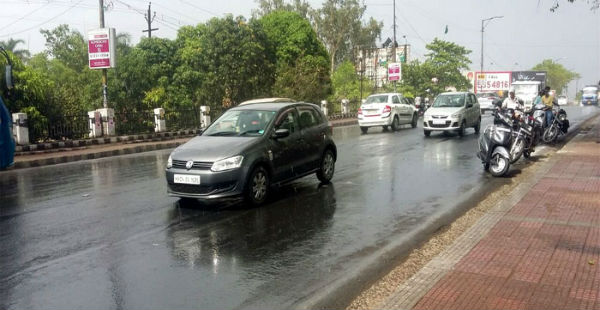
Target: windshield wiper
x,y
250,131
223,133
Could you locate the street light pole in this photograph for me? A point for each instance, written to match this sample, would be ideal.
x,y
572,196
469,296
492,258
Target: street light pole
x,y
482,29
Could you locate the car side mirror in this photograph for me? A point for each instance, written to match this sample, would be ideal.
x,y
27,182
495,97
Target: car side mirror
x,y
281,133
469,105
9,77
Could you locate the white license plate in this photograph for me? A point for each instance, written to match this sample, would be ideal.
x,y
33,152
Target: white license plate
x,y
186,179
439,121
370,112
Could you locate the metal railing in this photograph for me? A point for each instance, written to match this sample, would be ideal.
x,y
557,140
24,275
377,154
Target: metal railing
x,y
134,122
76,126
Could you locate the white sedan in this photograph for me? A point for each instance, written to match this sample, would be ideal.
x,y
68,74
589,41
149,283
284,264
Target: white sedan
x,y
388,110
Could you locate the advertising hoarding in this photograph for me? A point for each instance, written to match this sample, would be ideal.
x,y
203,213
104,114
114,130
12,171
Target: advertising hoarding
x,y
492,81
102,48
394,71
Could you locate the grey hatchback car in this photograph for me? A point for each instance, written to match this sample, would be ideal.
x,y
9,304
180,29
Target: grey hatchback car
x,y
250,148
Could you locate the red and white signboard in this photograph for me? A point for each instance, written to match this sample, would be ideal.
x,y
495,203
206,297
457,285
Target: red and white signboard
x,y
492,81
394,72
102,48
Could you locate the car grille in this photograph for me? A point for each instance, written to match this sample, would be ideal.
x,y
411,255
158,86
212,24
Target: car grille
x,y
439,116
198,165
202,189
431,124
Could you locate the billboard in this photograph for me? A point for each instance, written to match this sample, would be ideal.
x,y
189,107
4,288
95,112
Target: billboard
x,y
394,71
102,48
492,81
529,76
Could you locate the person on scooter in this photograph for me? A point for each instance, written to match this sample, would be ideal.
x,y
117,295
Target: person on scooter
x,y
512,102
548,100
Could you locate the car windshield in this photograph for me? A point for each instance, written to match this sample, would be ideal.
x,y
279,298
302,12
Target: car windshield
x,y
377,99
241,123
449,101
589,90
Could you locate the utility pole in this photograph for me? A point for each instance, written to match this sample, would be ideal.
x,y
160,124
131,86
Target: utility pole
x,y
149,20
104,71
482,29
394,43
405,45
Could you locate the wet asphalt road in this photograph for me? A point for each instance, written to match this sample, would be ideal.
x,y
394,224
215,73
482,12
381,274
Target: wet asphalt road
x,y
103,234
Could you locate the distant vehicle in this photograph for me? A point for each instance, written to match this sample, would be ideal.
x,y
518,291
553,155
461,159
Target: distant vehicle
x,y
454,111
251,147
563,100
527,91
389,110
590,95
486,101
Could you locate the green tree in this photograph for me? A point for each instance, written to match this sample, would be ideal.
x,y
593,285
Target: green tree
x,y
227,60
298,52
557,76
66,45
268,6
11,45
445,62
338,24
346,83
307,79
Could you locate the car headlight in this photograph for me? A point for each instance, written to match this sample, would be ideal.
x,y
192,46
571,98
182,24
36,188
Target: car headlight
x,y
169,162
227,163
455,115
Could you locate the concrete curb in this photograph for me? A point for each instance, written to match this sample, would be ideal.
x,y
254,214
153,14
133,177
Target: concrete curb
x,y
55,146
339,293
100,154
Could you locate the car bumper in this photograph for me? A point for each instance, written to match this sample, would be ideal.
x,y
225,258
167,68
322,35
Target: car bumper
x,y
213,185
449,125
371,121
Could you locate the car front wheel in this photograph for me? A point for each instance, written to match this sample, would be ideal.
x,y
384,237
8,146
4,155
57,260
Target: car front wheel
x,y
461,130
257,187
327,168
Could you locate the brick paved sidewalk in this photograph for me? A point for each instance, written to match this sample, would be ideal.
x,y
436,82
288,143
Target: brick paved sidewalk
x,y
542,252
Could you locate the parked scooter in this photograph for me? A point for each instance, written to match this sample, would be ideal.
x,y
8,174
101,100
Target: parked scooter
x,y
559,126
525,135
495,144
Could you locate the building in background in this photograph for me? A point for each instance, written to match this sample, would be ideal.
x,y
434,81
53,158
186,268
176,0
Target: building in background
x,y
373,62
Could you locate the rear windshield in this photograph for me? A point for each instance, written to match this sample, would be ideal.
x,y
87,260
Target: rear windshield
x,y
377,99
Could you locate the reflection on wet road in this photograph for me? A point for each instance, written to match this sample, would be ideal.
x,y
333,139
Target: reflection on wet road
x,y
103,234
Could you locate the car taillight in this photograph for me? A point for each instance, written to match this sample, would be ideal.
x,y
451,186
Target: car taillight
x,y
387,109
359,111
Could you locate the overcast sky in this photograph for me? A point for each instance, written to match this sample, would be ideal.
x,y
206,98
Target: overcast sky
x,y
527,34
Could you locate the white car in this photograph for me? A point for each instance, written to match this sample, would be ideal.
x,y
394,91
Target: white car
x,y
453,111
486,101
388,110
563,100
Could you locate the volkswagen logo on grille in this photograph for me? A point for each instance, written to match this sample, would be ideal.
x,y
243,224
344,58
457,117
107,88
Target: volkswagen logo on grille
x,y
189,165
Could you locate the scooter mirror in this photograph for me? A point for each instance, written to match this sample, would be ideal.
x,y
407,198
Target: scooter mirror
x,y
9,77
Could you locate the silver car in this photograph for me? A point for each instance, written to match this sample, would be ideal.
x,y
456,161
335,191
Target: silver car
x,y
452,112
